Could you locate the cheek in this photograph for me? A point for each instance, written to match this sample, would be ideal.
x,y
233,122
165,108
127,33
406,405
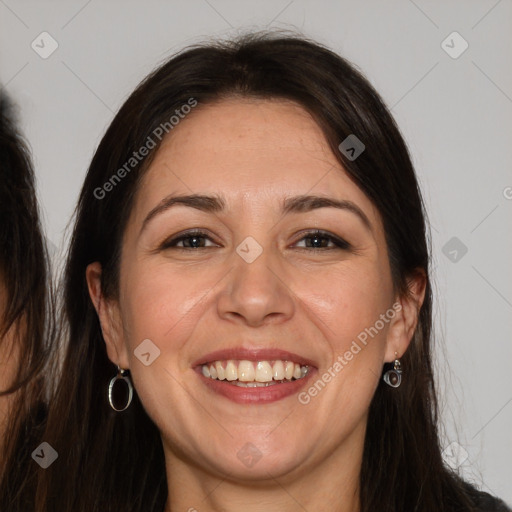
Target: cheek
x,y
347,307
345,302
164,305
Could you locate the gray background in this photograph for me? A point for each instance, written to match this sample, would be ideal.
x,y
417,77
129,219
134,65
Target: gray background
x,y
455,114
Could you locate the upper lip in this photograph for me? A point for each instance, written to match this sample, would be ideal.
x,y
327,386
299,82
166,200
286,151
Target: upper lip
x,y
253,354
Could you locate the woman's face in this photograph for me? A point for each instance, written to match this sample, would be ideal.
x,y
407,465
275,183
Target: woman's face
x,y
255,290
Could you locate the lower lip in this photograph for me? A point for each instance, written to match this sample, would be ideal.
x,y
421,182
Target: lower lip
x,y
260,395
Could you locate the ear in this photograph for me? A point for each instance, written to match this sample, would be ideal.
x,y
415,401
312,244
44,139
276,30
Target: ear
x,y
407,308
109,316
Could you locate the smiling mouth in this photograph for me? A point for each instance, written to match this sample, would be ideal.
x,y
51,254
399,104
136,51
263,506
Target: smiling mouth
x,y
252,374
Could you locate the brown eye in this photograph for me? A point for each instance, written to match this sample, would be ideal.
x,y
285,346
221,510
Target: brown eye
x,y
191,240
322,240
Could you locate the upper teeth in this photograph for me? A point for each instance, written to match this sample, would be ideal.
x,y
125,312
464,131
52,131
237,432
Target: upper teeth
x,y
250,371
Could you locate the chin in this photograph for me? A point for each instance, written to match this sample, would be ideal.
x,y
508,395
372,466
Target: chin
x,y
257,461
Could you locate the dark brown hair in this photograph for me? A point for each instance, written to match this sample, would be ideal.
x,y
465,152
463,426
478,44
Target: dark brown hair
x,y
27,315
109,461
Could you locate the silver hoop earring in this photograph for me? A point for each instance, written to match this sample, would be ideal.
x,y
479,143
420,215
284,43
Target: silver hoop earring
x,y
393,377
120,376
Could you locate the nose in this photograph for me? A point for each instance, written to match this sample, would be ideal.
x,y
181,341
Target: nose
x,y
257,293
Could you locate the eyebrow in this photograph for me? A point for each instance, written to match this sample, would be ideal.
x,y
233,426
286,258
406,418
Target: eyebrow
x,y
296,204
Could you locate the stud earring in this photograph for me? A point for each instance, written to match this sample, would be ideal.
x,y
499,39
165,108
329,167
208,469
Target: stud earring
x,y
393,377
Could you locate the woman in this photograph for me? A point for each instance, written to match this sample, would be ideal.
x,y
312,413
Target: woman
x,y
25,314
250,254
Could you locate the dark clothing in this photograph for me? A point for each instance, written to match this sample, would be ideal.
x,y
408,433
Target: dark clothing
x,y
487,503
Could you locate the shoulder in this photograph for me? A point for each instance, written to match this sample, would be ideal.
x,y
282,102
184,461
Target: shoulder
x,y
484,502
487,503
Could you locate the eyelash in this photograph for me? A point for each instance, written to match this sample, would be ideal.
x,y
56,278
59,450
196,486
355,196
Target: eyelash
x,y
339,243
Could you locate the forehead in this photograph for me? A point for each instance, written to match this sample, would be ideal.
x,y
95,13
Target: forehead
x,y
247,149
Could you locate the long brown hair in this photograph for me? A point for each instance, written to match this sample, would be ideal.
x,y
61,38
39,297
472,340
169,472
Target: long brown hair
x,y
114,461
26,321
